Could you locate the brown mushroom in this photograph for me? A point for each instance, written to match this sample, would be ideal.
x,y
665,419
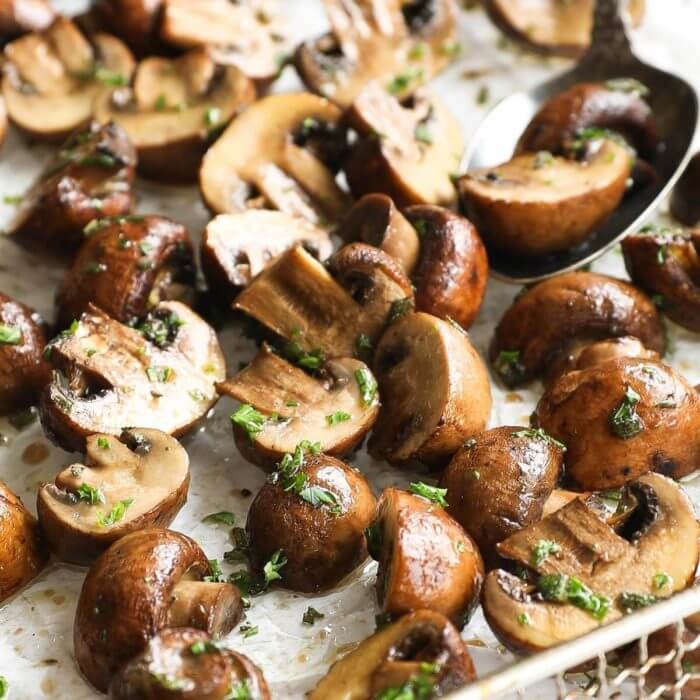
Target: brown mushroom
x,y
108,376
499,482
685,199
188,662
277,155
3,121
147,581
421,644
22,553
135,21
435,391
90,177
136,481
125,267
20,16
546,320
407,151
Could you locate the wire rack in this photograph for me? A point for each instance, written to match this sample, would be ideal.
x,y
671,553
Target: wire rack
x,y
670,674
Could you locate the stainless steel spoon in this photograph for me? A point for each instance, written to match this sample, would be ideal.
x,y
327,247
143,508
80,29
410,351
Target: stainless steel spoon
x,y
610,55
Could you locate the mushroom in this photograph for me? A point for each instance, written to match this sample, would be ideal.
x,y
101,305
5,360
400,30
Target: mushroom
x,y
20,16
3,121
328,310
172,109
535,205
426,559
283,405
137,22
277,154
621,419
128,483
408,151
52,78
126,266
108,376
145,582
585,572
435,391
420,646
685,198
90,177
315,510
237,247
546,320
400,44
188,661
22,553
23,372
499,483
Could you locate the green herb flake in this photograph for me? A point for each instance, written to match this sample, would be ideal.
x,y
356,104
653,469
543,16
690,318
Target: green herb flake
x,y
542,550
94,268
10,335
103,442
482,97
624,420
271,570
524,620
634,601
338,417
241,546
431,493
13,199
400,308
158,374
110,78
212,117
420,686
116,514
161,103
291,403
367,385
631,85
402,81
169,682
543,159
451,49
248,630
310,616
3,686
661,254
559,588
508,366
416,52
422,133
203,647
89,494
239,691
160,329
223,517
248,418
661,580
146,247
540,434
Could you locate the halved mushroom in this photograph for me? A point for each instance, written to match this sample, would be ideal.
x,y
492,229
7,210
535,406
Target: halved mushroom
x,y
585,573
421,645
125,267
622,419
172,110
237,247
135,21
534,205
138,480
147,581
90,177
408,151
401,44
328,310
315,509
188,662
499,482
108,376
22,553
53,78
277,155
20,16
546,320
685,199
435,391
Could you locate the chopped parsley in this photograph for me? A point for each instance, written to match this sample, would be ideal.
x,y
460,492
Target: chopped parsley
x,y
116,514
248,418
400,308
3,686
508,366
631,85
103,442
241,546
543,159
223,517
338,417
367,385
203,647
158,374
169,682
240,689
309,359
422,133
212,117
482,97
94,268
363,344
420,686
161,103
110,78
634,601
431,493
540,434
451,49
248,630
524,619
661,580
160,328
10,335
542,550
416,52
402,81
90,494
559,588
13,199
624,420
311,615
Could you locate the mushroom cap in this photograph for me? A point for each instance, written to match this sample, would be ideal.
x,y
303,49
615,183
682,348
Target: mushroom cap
x,y
685,200
134,21
20,16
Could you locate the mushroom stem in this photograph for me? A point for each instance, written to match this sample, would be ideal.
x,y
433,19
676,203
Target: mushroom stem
x,y
204,605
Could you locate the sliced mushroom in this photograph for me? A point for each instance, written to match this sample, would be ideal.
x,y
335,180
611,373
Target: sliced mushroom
x,y
90,178
52,79
135,21
535,206
22,553
138,480
277,155
400,44
126,267
685,199
237,247
20,16
407,151
108,376
586,570
546,320
145,582
622,419
420,643
188,661
328,309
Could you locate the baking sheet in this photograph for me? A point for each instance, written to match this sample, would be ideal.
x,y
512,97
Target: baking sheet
x,y
36,625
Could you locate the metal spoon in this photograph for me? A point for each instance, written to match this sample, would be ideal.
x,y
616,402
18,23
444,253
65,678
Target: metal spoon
x,y
675,106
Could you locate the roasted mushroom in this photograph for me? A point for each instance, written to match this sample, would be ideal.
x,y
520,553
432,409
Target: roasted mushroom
x,y
172,109
53,78
407,151
139,480
283,405
499,482
22,553
126,266
20,16
147,581
422,647
584,572
435,391
685,199
135,21
90,177
547,320
315,510
188,662
3,121
278,154
108,376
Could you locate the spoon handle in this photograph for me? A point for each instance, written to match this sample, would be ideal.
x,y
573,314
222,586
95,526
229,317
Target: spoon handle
x,y
609,40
